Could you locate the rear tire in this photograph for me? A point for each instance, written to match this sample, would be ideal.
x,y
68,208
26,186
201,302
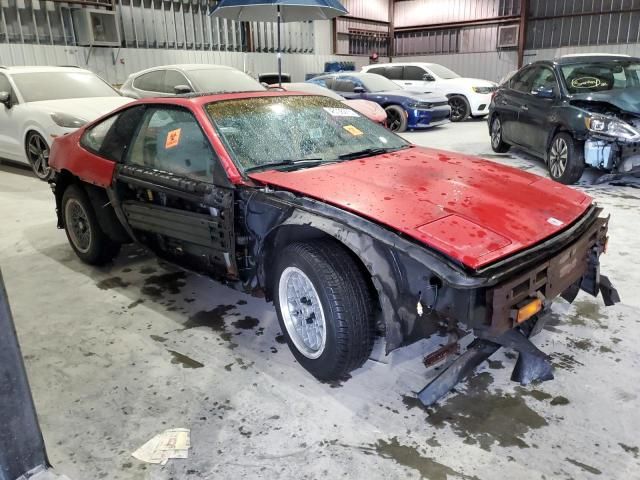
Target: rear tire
x,y
460,108
565,159
497,144
396,118
83,231
324,307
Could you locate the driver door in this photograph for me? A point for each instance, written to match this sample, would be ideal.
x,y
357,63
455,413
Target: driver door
x,y
174,194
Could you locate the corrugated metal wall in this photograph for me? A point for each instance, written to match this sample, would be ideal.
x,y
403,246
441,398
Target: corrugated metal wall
x,y
582,22
370,9
151,24
410,13
135,59
632,49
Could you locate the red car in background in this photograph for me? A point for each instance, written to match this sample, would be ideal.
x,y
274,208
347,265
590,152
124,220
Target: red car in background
x,y
351,231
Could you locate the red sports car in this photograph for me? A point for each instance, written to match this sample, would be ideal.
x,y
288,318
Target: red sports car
x,y
351,231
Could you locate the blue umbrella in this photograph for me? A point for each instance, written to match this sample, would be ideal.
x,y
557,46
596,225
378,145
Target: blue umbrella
x,y
278,11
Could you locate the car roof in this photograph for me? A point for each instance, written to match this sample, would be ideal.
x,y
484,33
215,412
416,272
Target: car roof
x,y
402,64
185,67
349,74
205,98
591,57
41,69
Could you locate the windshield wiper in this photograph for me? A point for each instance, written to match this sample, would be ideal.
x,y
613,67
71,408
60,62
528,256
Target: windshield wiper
x,y
285,163
368,152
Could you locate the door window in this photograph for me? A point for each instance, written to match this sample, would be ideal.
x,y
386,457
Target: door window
x,y
521,81
344,85
150,82
170,139
394,73
5,86
111,137
172,79
414,74
544,77
378,71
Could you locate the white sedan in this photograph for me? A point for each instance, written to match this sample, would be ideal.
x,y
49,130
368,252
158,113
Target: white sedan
x,y
39,104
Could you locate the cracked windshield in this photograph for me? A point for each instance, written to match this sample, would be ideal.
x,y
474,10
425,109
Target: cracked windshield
x,y
297,132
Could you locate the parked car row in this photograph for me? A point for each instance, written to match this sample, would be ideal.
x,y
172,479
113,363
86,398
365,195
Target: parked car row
x,y
575,112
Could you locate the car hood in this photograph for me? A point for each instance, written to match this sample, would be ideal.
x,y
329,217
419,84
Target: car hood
x,y
469,82
472,210
86,108
626,99
371,110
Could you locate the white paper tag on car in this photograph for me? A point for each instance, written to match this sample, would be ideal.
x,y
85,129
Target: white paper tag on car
x,y
340,112
555,222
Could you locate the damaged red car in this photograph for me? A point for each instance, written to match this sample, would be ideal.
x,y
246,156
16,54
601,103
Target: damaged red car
x,y
350,230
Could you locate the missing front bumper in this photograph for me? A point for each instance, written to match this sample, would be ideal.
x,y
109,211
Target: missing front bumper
x,y
575,268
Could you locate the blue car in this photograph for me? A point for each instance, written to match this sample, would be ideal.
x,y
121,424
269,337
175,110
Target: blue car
x,y
405,109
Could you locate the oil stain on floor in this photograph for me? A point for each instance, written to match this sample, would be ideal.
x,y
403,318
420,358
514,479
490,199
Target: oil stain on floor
x,y
186,362
411,457
482,417
170,283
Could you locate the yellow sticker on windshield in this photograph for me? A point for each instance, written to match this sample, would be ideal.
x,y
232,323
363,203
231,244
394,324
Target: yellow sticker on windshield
x,y
173,138
353,130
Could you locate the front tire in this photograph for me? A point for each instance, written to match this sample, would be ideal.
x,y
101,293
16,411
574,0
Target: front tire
x,y
324,307
83,231
565,159
397,118
460,108
498,145
37,151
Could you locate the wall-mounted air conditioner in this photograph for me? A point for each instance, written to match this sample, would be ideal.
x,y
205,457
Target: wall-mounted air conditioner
x,y
508,36
96,28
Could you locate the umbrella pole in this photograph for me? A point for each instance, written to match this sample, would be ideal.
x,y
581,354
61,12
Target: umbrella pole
x,y
279,51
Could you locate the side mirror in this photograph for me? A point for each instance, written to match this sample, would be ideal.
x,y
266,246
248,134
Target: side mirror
x,y
5,99
359,90
543,92
182,89
428,78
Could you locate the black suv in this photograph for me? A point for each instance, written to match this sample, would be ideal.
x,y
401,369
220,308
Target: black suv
x,y
575,111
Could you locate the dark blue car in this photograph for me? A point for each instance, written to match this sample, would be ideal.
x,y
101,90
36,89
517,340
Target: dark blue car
x,y
405,109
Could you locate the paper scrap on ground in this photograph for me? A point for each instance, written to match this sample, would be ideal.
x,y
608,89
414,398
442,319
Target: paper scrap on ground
x,y
172,443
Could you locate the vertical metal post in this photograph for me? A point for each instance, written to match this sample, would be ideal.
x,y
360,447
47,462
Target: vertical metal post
x,y
21,445
392,33
524,6
279,50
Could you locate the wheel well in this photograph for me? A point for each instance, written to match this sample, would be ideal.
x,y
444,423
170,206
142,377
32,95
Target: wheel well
x,y
553,132
28,133
99,199
456,95
287,234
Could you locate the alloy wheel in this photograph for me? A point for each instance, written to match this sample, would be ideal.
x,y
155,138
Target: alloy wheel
x,y
38,155
302,312
496,133
558,157
78,226
458,109
394,119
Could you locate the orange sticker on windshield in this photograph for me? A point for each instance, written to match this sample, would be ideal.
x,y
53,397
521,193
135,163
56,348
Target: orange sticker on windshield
x,y
173,138
353,130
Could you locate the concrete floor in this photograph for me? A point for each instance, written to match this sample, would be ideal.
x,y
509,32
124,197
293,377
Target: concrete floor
x,y
116,355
